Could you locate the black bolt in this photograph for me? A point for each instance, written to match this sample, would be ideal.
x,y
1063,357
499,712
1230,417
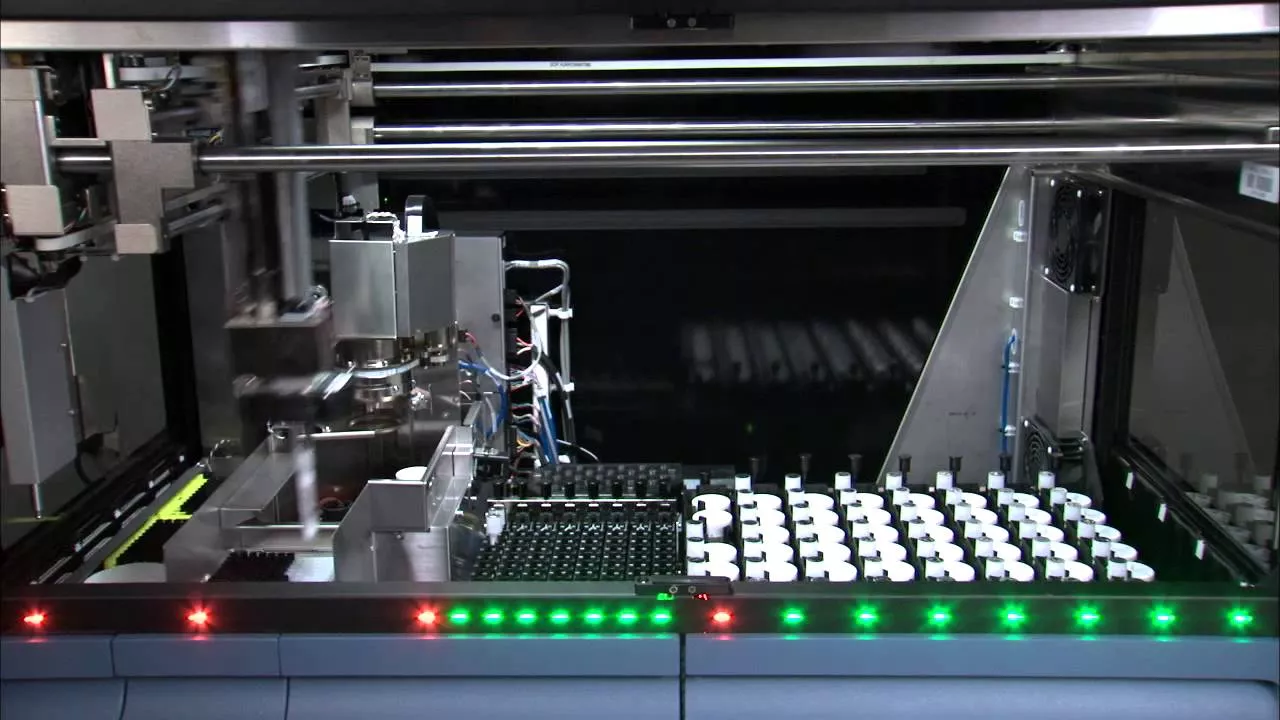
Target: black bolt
x,y
953,464
904,463
805,460
495,317
755,468
855,465
1006,463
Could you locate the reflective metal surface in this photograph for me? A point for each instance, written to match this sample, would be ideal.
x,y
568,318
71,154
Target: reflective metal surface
x,y
707,86
676,157
605,30
744,63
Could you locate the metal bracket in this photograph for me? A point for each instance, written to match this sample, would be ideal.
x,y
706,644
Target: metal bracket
x,y
361,79
32,201
143,171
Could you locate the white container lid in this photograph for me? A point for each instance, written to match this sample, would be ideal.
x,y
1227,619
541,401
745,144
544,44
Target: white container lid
x,y
891,552
844,481
900,571
1027,500
712,501
941,534
415,473
950,553
717,522
1063,551
995,479
767,534
840,571
781,572
893,480
1140,572
834,553
765,501
874,516
1019,571
1079,499
720,553
726,570
943,479
1079,572
777,552
1007,552
961,572
742,481
1052,533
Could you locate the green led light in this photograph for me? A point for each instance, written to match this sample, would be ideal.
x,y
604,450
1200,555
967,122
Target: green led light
x,y
1012,616
1239,618
492,617
593,617
1163,618
666,596
660,617
938,617
1088,617
560,617
627,617
526,617
793,616
459,617
866,617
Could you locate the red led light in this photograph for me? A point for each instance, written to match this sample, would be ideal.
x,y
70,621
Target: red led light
x,y
427,617
198,617
34,619
722,617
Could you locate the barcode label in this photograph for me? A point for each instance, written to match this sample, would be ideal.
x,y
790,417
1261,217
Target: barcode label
x,y
1260,181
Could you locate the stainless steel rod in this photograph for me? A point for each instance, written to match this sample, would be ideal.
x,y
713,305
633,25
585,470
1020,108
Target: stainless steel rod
x,y
733,128
309,92
678,157
799,85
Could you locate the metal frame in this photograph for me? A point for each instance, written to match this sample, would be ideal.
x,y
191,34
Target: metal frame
x,y
616,30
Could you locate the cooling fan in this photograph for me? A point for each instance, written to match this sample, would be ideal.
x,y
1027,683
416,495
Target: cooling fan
x,y
1077,230
1042,450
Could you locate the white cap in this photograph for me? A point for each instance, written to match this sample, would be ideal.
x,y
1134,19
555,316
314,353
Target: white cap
x,y
1052,533
819,501
863,500
925,548
755,569
1080,499
1040,517
1140,572
961,572
695,549
726,570
792,482
745,499
1073,511
712,501
861,529
995,479
1040,547
1055,568
973,529
1106,532
1004,496
952,495
777,552
1027,500
809,548
935,568
1045,480
931,517
1017,511
941,534
1079,572
1058,496
1097,517
891,552
872,568
767,534
414,473
974,500
921,500
495,520
696,567
720,553
840,571
800,512
900,571
962,511
718,522
1100,548
753,551
917,529
907,512
986,517
996,533
796,497
765,501
780,572
1019,571
984,547
823,518
814,571
994,568
1085,529
742,481
1007,552
893,480
943,479
763,517
830,533
695,529
875,516
834,552
1028,529
1117,570
899,495
1064,551
950,552
844,481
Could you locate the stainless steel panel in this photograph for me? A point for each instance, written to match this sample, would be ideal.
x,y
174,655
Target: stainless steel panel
x,y
480,283
363,278
121,114
115,344
605,30
35,390
424,286
701,219
34,209
955,409
143,171
741,63
24,156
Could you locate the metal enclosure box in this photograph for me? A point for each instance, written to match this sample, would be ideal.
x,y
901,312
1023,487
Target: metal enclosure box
x,y
282,347
418,270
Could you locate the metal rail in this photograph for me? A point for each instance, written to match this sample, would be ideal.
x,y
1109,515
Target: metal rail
x,y
704,128
604,30
707,86
689,157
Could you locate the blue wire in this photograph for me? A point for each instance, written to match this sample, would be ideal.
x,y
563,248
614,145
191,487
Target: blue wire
x,y
1004,391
